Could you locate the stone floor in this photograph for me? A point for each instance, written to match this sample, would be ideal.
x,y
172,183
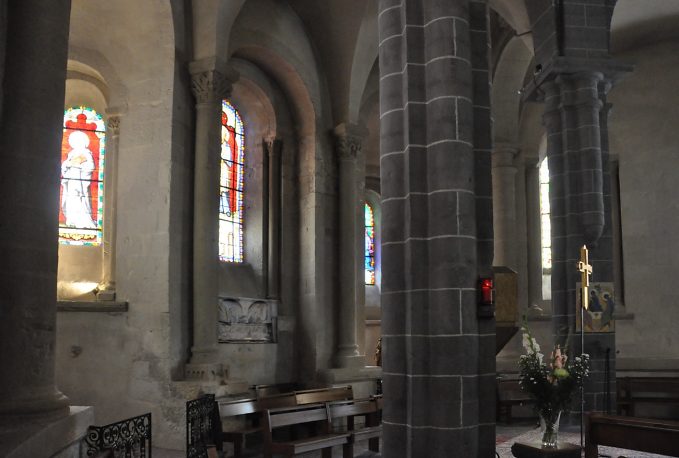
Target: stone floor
x,y
506,435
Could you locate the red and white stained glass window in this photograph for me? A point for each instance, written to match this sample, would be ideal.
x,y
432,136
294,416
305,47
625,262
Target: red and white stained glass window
x,y
231,206
83,147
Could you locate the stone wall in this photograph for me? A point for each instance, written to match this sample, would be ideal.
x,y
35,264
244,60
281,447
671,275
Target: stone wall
x,y
644,135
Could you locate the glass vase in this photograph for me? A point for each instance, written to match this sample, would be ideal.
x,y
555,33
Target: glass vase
x,y
549,426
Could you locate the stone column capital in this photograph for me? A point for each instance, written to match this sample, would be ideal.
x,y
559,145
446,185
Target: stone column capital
x,y
113,125
209,82
348,140
504,155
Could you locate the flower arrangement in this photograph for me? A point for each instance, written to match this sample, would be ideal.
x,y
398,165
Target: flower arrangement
x,y
552,382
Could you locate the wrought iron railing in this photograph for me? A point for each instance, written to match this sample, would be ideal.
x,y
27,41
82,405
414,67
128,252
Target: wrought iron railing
x,y
203,426
130,438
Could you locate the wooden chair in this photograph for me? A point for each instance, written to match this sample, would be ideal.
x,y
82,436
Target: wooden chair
x,y
313,413
203,427
132,437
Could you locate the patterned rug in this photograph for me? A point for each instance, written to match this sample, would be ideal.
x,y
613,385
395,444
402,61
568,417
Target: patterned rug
x,y
504,449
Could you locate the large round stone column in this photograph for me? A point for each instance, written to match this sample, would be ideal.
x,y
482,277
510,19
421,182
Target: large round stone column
x,y
209,86
348,145
504,205
30,141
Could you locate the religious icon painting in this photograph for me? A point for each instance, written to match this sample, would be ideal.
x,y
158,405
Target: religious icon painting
x,y
81,200
599,316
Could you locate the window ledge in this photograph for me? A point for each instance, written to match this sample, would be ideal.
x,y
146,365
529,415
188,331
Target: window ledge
x,y
92,306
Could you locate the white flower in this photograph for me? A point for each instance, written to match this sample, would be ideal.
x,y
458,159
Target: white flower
x,y
526,342
540,356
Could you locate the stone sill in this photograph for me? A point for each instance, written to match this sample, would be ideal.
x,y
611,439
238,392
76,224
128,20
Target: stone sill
x,y
92,306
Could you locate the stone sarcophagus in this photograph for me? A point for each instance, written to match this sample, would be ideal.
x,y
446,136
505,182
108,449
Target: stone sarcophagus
x,y
247,320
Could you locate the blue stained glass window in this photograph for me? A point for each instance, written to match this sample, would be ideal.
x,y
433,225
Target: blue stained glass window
x,y
369,246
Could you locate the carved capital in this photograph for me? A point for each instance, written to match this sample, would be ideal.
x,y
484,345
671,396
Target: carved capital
x,y
209,86
113,125
348,141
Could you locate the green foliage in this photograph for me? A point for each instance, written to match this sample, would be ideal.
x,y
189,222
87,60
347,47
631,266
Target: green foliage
x,y
551,383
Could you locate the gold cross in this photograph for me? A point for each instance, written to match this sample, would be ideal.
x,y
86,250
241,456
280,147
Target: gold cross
x,y
586,270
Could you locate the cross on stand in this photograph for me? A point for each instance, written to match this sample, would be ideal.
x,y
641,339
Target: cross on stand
x,y
585,270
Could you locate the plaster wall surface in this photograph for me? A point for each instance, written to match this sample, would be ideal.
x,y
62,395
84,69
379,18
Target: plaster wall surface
x,y
644,134
122,363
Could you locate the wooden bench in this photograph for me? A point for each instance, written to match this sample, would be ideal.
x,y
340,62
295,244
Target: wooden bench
x,y
644,435
372,431
313,413
647,390
510,394
252,407
249,407
262,391
320,395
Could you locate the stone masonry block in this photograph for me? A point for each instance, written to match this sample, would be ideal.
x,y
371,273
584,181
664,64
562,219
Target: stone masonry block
x,y
452,260
450,165
448,76
436,398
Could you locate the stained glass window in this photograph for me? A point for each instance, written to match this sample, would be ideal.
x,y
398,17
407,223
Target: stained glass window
x,y
83,146
231,185
369,246
546,231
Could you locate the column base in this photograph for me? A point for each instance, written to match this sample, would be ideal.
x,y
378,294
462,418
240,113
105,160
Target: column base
x,y
43,401
362,379
23,436
353,361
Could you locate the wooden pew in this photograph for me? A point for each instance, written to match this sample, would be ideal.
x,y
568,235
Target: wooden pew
x,y
372,431
320,395
640,434
313,413
248,407
254,406
262,391
510,394
645,390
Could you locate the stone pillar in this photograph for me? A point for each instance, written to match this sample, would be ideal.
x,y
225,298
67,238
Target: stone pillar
x,y
107,287
210,86
437,229
577,150
275,207
348,146
504,206
30,141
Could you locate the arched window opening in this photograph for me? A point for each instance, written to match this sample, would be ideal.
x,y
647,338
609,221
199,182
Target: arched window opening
x,y
231,185
81,206
369,245
546,232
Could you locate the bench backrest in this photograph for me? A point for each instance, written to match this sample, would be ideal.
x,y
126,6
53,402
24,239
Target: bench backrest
x,y
648,386
239,407
351,408
324,395
275,418
646,435
277,401
132,437
263,391
510,390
